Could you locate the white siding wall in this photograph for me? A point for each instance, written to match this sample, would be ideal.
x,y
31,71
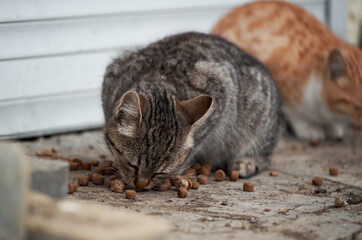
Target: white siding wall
x,y
53,53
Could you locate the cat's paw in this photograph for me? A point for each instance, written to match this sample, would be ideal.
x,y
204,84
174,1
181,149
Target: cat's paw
x,y
304,130
246,167
335,132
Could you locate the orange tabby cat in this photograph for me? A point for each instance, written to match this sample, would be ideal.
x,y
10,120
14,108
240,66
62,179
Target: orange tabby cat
x,y
318,76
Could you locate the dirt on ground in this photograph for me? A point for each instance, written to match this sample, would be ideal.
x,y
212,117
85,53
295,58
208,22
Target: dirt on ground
x,y
287,206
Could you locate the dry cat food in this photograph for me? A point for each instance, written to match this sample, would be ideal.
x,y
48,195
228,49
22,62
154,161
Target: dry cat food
x,y
117,186
340,202
73,166
72,187
112,177
95,162
273,173
219,175
202,179
130,194
314,143
197,167
195,185
234,175
333,171
78,160
109,183
83,180
182,192
248,187
108,171
97,179
90,176
106,163
183,182
205,169
99,170
86,165
101,155
190,172
317,181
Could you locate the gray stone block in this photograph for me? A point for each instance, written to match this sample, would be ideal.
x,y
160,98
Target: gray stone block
x,y
14,182
49,177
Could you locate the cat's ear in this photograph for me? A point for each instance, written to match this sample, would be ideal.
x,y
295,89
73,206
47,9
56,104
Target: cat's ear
x,y
336,67
129,112
196,108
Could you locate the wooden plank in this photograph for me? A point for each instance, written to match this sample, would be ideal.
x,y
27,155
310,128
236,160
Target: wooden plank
x,y
80,35
24,10
52,75
53,114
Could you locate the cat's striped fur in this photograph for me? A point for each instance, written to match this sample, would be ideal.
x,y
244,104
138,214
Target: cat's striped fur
x,y
188,97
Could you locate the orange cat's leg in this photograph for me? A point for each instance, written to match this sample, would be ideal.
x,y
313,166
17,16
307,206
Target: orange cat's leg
x,y
304,129
335,131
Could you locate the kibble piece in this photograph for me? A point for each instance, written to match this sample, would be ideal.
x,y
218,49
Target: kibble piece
x,y
339,202
78,160
205,169
108,171
72,187
95,162
189,184
73,166
248,187
333,171
317,181
117,186
90,176
109,183
182,182
195,185
202,179
190,172
86,165
197,167
112,177
101,155
234,175
83,180
99,170
97,179
161,187
106,163
219,175
273,173
130,194
182,192
314,143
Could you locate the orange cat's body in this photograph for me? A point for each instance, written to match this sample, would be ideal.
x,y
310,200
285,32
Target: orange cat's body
x,y
318,76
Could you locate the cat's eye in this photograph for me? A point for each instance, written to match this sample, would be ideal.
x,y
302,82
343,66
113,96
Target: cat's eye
x,y
133,166
158,175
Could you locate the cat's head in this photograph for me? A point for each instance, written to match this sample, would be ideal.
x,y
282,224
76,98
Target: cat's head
x,y
343,84
150,137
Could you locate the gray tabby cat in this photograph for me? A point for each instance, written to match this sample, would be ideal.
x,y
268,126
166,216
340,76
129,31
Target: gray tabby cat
x,y
188,98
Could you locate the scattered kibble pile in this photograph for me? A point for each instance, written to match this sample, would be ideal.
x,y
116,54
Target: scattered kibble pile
x,y
182,184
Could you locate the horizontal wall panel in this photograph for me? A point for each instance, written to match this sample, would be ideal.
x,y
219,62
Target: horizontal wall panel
x,y
52,75
22,10
55,114
79,35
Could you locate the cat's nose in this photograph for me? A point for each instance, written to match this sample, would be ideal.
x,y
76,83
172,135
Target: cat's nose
x,y
141,184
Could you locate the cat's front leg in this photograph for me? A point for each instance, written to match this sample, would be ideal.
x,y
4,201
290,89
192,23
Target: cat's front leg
x,y
303,129
335,132
249,166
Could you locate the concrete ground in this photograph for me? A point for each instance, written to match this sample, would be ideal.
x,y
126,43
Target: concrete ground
x,y
287,206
